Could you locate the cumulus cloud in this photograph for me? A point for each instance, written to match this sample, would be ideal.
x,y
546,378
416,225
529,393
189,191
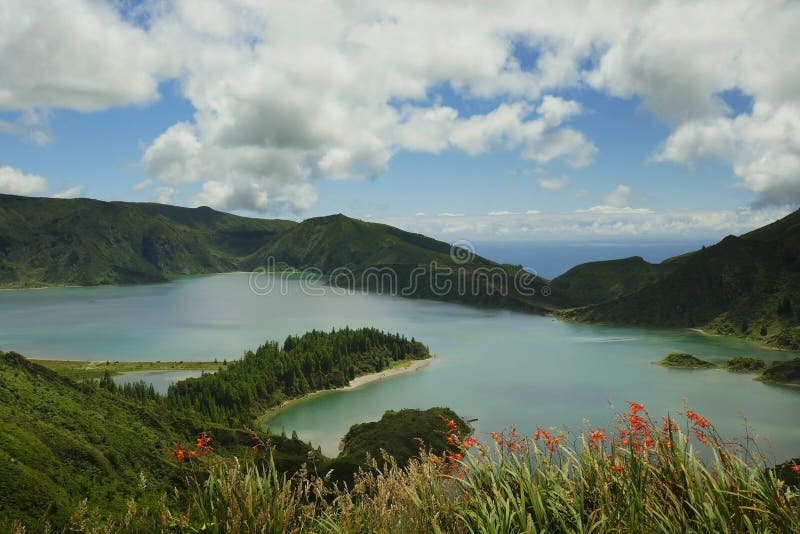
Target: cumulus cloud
x,y
15,182
79,54
71,192
285,94
619,197
763,146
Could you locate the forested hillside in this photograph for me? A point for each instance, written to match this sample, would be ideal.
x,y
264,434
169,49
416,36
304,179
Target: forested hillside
x,y
747,286
271,374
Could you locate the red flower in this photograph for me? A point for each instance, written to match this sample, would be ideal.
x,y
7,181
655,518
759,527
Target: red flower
x,y
636,407
256,447
599,436
618,469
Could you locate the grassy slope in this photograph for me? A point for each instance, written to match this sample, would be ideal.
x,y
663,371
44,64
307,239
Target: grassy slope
x,y
61,441
339,241
594,282
734,287
47,241
88,242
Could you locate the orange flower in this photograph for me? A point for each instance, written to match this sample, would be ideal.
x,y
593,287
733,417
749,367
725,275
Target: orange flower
x,y
618,469
469,442
203,441
256,447
457,456
701,438
698,420
599,436
497,438
796,468
179,454
451,424
636,407
193,455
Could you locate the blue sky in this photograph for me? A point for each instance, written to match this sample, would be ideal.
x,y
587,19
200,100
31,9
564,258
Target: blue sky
x,y
485,125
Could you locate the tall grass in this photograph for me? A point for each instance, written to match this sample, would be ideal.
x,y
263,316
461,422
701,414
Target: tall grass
x,y
642,476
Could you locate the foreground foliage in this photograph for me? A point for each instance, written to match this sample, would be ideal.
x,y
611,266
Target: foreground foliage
x,y
645,476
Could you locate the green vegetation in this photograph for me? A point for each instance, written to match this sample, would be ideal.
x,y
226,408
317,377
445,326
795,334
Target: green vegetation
x,y
685,361
46,241
272,374
65,440
787,372
85,370
391,434
745,364
599,281
653,481
61,439
745,286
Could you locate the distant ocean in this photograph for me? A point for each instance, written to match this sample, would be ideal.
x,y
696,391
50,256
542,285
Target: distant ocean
x,y
552,259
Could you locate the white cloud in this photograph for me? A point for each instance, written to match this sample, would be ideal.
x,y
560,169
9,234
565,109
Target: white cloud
x,y
285,94
553,183
71,192
764,148
15,182
79,54
592,223
143,184
32,125
619,197
501,213
614,210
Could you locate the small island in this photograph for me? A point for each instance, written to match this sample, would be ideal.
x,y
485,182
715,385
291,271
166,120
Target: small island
x,y
787,372
683,360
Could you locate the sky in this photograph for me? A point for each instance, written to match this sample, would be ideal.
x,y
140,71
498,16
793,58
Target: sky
x,y
491,121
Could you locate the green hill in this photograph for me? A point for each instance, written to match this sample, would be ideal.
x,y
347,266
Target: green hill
x,y
335,241
598,281
46,241
747,286
61,440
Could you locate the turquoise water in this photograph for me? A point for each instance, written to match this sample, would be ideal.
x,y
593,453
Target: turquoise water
x,y
161,380
500,367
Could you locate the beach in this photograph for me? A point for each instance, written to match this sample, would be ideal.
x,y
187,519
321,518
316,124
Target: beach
x,y
402,367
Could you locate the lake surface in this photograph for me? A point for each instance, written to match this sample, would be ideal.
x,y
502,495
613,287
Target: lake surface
x,y
503,368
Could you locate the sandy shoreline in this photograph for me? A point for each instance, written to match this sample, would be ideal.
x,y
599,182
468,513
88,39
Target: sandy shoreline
x,y
404,367
363,380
